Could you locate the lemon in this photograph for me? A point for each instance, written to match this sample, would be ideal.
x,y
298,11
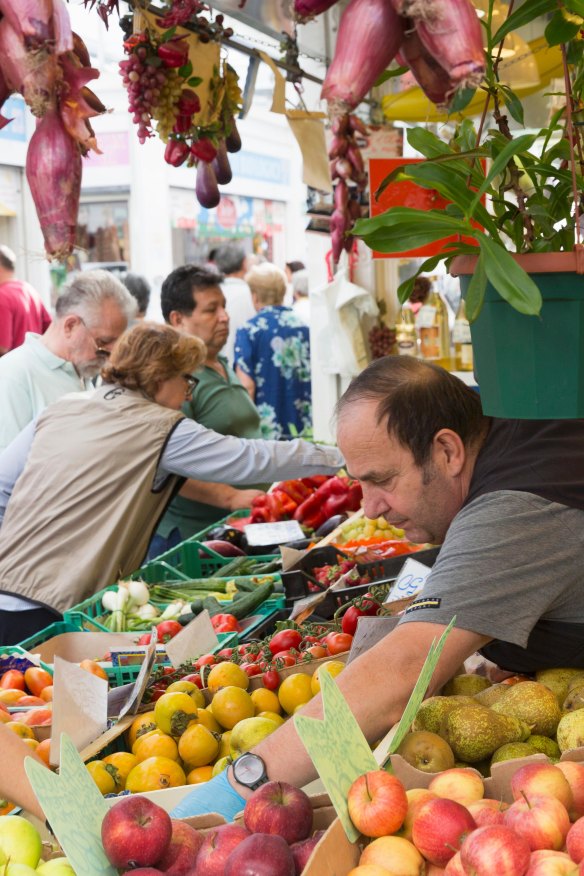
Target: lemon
x,y
333,667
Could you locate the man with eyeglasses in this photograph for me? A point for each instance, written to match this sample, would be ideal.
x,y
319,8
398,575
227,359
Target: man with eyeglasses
x,y
92,311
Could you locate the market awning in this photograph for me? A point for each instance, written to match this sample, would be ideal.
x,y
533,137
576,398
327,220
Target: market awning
x,y
413,105
6,211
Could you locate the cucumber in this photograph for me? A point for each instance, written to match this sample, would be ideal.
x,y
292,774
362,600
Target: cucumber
x,y
186,618
219,585
248,602
197,606
238,566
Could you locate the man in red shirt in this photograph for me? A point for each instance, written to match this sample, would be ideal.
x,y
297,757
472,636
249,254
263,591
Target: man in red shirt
x,y
21,309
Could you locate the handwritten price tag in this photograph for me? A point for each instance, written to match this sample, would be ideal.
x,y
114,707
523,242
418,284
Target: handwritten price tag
x,y
410,580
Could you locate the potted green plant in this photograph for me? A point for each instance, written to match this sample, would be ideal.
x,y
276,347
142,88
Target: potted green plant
x,y
514,208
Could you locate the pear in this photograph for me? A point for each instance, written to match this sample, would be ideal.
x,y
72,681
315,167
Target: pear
x,y
571,731
575,698
491,694
426,751
576,680
467,685
433,711
532,703
557,680
511,751
544,745
475,732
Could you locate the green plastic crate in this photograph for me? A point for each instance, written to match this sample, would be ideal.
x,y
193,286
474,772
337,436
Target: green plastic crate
x,y
264,619
15,657
185,559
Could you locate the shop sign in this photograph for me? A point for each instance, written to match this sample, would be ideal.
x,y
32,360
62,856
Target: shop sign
x,y
14,108
236,216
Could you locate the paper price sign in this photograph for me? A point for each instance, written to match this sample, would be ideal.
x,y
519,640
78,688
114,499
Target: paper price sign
x,y
410,580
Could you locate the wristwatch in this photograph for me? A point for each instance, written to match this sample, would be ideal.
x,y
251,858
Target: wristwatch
x,y
250,770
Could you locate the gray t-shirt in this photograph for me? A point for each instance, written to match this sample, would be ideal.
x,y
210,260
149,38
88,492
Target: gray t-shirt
x,y
509,559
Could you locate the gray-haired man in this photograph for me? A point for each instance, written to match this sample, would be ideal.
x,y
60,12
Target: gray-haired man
x,y
91,313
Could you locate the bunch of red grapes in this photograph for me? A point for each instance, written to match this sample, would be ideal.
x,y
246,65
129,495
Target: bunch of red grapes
x,y
381,341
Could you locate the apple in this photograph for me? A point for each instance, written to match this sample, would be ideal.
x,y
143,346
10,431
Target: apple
x,y
56,867
179,857
144,871
575,841
368,870
462,784
261,854
487,811
302,850
18,870
19,841
377,803
541,780
454,866
542,821
216,847
439,829
547,863
495,849
396,854
281,809
574,772
415,796
135,832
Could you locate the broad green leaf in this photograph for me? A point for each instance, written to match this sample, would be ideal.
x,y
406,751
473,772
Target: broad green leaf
x,y
168,34
186,70
405,289
513,104
427,143
513,147
475,293
461,100
194,81
390,74
526,13
408,216
576,6
510,281
560,30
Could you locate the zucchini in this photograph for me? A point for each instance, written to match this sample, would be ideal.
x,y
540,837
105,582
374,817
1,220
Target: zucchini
x,y
214,607
243,585
268,568
217,584
197,606
248,602
238,566
186,618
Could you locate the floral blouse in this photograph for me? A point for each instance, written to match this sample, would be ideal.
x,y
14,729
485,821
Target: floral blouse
x,y
273,348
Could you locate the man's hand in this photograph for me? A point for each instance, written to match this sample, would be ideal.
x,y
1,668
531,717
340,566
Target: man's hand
x,y
216,795
243,498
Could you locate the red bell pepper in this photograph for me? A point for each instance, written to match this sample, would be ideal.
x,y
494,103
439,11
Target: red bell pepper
x,y
297,490
315,481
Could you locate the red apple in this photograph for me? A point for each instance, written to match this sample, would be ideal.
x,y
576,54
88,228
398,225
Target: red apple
x,y
135,832
394,853
377,803
302,851
495,849
541,780
454,867
575,841
179,858
574,772
279,808
416,797
439,829
542,821
216,847
462,784
433,870
488,811
261,854
144,871
548,863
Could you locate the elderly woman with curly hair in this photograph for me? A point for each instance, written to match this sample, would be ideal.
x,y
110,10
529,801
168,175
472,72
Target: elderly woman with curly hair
x,y
272,357
83,488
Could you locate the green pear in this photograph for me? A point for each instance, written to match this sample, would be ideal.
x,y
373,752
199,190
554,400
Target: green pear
x,y
557,680
19,840
467,685
247,733
426,751
56,867
491,694
574,699
433,711
474,733
511,751
570,733
532,703
18,870
544,745
576,680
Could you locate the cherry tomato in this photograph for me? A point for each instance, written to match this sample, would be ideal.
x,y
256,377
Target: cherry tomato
x,y
225,623
338,642
225,653
317,651
251,669
309,640
283,660
271,679
144,639
166,630
205,660
253,656
195,678
157,693
168,670
284,640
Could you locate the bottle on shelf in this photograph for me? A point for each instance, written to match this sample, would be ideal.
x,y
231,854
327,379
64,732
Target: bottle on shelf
x,y
406,334
461,340
432,324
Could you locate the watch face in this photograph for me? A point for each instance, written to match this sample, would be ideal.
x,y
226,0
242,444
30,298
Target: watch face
x,y
248,769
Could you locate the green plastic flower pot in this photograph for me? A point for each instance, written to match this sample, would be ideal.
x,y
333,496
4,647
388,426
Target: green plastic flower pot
x,y
528,367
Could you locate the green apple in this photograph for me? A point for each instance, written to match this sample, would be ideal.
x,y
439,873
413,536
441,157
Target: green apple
x,y
19,870
19,841
56,867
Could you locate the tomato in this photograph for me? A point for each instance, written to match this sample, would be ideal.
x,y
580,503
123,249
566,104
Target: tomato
x,y
144,640
251,669
252,657
167,630
195,678
309,640
283,660
205,660
225,653
338,642
271,679
284,640
317,651
13,680
168,670
37,679
225,623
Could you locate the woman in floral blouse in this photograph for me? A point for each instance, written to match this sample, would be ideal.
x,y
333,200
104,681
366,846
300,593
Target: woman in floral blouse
x,y
272,357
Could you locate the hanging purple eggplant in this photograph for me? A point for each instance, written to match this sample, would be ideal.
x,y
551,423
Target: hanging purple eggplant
x,y
206,188
221,166
233,140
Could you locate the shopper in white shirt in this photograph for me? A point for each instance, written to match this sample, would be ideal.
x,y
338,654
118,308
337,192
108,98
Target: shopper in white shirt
x,y
231,261
92,311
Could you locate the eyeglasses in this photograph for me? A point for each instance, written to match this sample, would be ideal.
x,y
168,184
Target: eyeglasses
x,y
100,343
192,382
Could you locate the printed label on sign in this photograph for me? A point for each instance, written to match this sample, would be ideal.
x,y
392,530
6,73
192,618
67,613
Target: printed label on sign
x,y
410,580
258,534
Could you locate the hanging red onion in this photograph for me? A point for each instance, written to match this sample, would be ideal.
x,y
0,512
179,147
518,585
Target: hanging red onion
x,y
206,188
341,196
304,10
430,76
61,25
221,165
453,37
32,74
370,34
339,225
81,50
53,171
31,19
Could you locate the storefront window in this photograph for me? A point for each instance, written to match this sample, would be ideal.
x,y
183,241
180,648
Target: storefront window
x,y
103,236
